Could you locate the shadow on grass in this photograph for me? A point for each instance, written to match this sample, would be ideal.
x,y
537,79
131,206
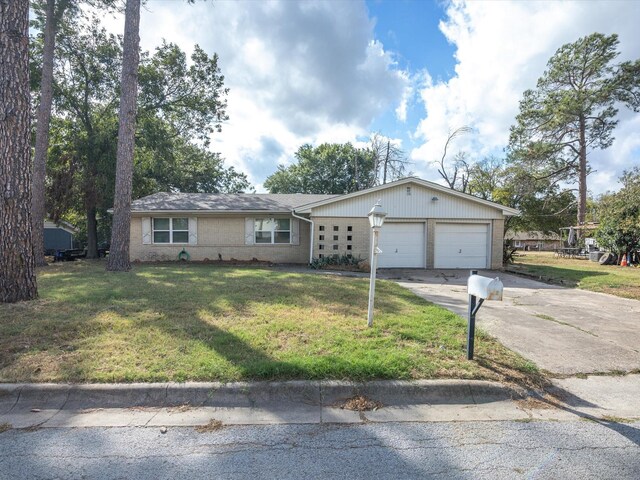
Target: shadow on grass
x,y
188,307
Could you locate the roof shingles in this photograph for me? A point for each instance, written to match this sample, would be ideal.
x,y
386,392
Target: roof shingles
x,y
224,202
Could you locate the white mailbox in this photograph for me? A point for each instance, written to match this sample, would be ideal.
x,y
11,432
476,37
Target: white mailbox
x,y
480,289
485,287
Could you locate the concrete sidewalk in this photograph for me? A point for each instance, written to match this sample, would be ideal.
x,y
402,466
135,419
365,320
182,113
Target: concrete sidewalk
x,y
309,402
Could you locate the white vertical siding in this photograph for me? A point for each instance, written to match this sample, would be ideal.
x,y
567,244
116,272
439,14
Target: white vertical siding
x,y
419,204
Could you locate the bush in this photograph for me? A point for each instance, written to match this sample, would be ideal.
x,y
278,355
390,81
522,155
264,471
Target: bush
x,y
340,260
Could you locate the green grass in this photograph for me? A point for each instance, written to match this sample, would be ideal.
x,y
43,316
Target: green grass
x,y
202,322
571,272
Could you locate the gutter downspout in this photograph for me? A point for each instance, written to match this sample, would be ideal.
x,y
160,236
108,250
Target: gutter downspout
x,y
293,213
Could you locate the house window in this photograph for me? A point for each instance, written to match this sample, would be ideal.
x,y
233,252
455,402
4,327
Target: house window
x,y
321,228
272,230
349,228
349,238
336,228
335,247
321,237
335,238
348,247
320,246
409,191
170,230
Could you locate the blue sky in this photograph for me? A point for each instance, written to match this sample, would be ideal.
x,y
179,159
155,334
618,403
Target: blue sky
x,y
337,71
409,31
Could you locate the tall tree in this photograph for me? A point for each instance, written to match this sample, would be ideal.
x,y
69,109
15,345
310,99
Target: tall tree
x,y
180,104
17,264
329,168
455,174
120,230
390,161
573,110
86,92
53,14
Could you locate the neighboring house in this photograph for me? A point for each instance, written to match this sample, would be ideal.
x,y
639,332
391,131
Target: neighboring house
x,y
58,236
427,226
534,240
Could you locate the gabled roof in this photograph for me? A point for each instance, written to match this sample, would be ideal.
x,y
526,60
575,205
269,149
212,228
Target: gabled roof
x,y
417,181
224,202
61,224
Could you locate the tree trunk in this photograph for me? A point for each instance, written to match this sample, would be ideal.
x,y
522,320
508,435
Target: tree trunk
x,y
120,231
42,136
582,174
92,233
386,162
17,265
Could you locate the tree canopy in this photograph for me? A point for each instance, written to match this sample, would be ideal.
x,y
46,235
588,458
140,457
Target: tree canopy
x,y
334,168
572,111
181,103
619,215
329,168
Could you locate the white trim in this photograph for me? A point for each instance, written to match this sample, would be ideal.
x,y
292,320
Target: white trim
x,y
146,230
418,181
311,233
274,231
193,230
210,212
170,231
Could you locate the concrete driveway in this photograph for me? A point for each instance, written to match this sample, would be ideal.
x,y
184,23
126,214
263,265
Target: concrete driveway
x,y
563,330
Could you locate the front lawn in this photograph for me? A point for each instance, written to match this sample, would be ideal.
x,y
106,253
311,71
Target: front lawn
x,y
208,322
572,272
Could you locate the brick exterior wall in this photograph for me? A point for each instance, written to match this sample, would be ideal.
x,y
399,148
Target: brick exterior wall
x,y
354,242
431,241
225,235
222,235
497,239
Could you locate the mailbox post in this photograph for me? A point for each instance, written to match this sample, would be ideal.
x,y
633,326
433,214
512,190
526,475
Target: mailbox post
x,y
480,289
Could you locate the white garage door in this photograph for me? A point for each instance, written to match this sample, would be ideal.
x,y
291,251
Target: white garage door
x,y
461,245
402,245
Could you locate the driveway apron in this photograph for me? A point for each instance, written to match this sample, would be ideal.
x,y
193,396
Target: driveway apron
x,y
562,330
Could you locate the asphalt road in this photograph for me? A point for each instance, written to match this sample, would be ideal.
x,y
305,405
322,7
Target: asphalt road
x,y
453,450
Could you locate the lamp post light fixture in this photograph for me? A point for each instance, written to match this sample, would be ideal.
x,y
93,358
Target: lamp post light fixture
x,y
376,219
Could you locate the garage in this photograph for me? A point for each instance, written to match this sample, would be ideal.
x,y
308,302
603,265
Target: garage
x,y
402,245
461,245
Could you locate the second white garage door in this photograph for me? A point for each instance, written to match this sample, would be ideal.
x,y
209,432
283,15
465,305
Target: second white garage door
x,y
402,245
461,245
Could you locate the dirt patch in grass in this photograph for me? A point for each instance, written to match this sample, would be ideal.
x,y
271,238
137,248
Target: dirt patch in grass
x,y
359,403
213,426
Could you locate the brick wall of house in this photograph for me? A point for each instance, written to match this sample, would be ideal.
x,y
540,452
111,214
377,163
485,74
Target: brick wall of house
x,y
341,236
497,239
224,235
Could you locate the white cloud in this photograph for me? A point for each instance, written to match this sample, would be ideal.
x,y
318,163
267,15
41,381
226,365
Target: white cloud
x,y
298,72
502,49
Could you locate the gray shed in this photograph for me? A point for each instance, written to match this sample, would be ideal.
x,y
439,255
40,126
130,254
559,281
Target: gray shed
x,y
57,236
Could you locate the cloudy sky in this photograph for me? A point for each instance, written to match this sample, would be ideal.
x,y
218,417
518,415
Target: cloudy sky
x,y
335,71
